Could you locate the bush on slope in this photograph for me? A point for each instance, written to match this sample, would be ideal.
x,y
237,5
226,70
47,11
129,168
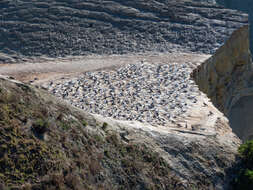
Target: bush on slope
x,y
245,177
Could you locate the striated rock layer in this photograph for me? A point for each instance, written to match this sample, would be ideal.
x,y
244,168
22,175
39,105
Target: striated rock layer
x,y
75,27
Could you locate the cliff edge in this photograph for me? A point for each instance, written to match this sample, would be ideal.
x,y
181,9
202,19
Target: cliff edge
x,y
226,78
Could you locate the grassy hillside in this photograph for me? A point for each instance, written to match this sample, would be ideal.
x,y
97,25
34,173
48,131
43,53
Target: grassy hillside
x,y
45,144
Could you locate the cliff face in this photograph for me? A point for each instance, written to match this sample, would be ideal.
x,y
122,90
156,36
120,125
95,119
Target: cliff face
x,y
69,28
226,77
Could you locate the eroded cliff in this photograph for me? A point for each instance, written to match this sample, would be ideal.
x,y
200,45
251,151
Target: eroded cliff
x,y
226,78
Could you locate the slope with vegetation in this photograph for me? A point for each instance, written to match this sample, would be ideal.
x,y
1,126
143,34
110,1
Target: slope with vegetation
x,y
45,144
244,178
48,144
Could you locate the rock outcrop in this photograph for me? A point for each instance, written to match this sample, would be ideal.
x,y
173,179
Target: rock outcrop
x,y
226,77
66,28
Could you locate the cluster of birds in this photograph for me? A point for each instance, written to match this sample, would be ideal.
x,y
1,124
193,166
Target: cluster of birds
x,y
152,93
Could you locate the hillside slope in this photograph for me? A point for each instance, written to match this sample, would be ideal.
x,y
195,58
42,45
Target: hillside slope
x,y
75,27
48,144
45,144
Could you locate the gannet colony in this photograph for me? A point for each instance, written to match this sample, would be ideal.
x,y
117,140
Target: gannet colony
x,y
150,93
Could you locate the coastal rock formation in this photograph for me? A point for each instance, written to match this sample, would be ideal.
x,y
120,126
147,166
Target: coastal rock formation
x,y
226,77
69,28
223,75
198,144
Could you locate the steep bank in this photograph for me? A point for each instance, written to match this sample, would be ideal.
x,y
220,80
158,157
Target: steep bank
x,y
226,78
71,28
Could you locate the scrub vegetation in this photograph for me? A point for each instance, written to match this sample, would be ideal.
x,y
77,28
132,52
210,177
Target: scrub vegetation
x,y
46,144
245,177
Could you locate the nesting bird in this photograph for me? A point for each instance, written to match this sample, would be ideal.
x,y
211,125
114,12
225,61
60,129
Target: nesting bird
x,y
153,93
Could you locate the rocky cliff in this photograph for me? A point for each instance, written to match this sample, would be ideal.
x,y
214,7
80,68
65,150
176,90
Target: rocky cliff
x,y
64,28
226,77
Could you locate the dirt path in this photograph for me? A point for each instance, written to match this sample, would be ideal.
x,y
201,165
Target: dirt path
x,y
70,67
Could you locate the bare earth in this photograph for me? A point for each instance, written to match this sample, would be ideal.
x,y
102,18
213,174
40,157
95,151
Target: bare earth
x,y
73,66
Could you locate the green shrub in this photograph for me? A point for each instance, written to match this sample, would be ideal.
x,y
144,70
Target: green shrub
x,y
40,127
104,126
84,123
245,177
246,152
245,180
249,175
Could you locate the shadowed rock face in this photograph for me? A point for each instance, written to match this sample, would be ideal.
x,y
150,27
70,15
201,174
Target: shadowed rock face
x,y
241,119
61,28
